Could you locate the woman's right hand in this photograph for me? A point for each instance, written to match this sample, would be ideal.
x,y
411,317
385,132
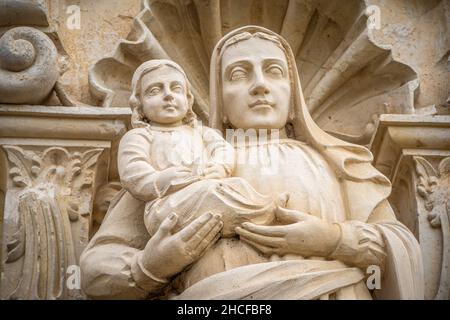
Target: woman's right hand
x,y
167,254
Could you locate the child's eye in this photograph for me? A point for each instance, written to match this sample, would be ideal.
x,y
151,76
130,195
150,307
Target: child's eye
x,y
238,74
154,91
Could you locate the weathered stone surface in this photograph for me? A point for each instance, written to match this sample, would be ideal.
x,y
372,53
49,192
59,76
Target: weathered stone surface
x,y
373,73
413,151
51,168
308,228
102,24
334,50
28,66
418,36
23,12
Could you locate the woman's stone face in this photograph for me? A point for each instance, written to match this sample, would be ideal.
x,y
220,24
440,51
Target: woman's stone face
x,y
256,86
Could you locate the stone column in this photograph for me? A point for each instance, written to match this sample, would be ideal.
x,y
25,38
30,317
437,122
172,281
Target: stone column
x,y
54,162
414,152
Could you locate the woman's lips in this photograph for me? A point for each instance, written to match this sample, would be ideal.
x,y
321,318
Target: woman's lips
x,y
261,104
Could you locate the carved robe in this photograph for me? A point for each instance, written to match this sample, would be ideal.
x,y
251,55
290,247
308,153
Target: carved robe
x,y
377,240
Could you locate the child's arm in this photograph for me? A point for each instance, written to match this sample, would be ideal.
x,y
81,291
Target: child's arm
x,y
221,155
138,176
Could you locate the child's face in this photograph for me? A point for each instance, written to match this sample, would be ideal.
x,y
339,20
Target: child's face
x,y
163,96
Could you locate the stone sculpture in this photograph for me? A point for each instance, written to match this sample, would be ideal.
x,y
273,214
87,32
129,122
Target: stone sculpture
x,y
343,65
335,223
28,66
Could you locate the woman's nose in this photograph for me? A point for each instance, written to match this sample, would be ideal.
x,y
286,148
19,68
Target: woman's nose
x,y
259,86
168,95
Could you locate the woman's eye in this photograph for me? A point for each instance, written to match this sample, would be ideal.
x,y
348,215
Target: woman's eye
x,y
238,74
275,70
177,89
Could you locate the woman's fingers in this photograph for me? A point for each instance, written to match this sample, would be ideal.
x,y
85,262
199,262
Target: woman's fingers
x,y
263,249
198,237
169,223
189,231
289,216
208,240
271,231
272,242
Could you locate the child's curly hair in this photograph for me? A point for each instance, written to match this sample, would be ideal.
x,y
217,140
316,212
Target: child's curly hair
x,y
138,120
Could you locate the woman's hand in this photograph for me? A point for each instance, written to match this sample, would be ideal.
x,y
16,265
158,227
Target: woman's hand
x,y
167,254
302,234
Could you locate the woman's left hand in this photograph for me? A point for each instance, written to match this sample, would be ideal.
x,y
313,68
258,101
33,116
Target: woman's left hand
x,y
301,234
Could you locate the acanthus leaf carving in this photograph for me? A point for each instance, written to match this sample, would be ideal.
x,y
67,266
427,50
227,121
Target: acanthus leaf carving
x,y
444,167
427,182
55,187
18,172
433,187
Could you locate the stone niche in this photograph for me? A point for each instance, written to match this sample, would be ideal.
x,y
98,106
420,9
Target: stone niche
x,y
374,73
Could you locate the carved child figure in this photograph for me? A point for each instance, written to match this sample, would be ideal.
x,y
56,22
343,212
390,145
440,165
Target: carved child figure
x,y
178,166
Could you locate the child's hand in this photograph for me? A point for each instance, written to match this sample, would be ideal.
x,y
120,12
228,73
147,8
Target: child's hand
x,y
214,171
175,176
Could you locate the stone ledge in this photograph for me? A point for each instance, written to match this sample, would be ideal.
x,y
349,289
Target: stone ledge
x,y
91,123
85,111
397,134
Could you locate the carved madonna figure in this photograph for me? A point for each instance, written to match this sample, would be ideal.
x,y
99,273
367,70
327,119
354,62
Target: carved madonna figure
x,y
336,222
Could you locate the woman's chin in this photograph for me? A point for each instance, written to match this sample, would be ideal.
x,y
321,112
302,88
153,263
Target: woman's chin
x,y
261,119
264,124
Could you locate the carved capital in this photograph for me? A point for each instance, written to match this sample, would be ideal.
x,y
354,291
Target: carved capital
x,y
414,152
51,171
433,186
49,200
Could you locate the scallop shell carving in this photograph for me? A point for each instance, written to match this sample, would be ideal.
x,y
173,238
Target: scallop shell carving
x,y
342,68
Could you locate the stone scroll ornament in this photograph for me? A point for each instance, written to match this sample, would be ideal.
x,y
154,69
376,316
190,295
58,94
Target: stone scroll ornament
x,y
28,66
54,189
433,188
